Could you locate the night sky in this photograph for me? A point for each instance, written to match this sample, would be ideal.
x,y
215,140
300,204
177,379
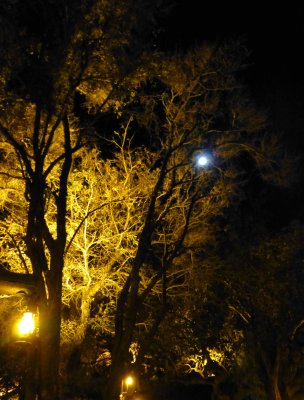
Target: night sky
x,y
274,35
275,77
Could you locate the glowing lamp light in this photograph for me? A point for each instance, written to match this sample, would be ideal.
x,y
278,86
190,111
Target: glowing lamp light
x,y
129,381
26,325
125,384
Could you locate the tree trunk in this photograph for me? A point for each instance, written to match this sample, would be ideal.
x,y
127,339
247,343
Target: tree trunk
x,y
276,375
49,354
112,389
29,387
50,323
272,371
51,311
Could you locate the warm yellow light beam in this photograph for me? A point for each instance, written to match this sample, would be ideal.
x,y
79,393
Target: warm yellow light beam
x,y
129,381
26,325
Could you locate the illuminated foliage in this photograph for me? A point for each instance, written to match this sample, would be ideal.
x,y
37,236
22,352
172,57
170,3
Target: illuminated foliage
x,y
252,312
115,242
50,52
107,206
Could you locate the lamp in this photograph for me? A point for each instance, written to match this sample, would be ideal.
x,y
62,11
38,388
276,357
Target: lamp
x,y
26,325
129,381
125,384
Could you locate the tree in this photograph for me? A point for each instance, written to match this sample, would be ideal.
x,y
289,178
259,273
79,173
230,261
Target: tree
x,y
49,53
252,317
111,219
179,102
184,106
201,105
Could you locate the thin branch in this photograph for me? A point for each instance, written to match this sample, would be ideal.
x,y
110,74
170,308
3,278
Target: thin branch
x,y
19,148
85,218
20,253
58,159
294,331
37,121
244,315
150,286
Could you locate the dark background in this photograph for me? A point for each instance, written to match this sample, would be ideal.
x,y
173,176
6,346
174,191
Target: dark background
x,y
274,35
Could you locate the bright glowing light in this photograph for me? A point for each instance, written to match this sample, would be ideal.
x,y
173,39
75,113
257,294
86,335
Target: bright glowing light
x,y
129,380
202,160
26,325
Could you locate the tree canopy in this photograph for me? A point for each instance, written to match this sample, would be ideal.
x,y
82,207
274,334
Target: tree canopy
x,y
117,223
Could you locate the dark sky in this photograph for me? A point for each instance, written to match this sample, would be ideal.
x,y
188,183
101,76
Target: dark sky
x,y
274,35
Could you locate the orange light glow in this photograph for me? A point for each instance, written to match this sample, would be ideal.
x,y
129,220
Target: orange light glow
x,y
26,325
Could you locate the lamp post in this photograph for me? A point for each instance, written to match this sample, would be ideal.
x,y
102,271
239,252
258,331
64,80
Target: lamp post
x,y
26,331
129,382
125,385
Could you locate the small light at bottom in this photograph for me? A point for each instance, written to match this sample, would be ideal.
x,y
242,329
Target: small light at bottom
x,y
129,380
